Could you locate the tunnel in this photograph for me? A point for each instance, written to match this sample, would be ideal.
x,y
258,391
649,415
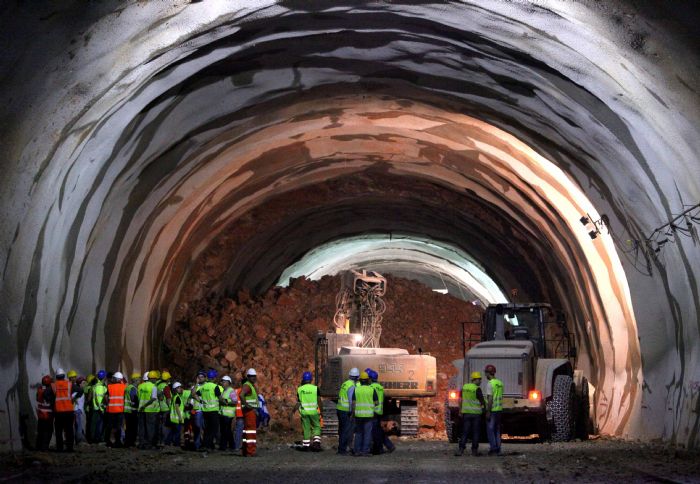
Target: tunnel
x,y
544,149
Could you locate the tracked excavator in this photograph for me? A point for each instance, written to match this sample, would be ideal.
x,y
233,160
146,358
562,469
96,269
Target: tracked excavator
x,y
354,342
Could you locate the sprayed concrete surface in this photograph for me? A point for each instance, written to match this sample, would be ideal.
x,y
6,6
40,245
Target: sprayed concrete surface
x,y
602,460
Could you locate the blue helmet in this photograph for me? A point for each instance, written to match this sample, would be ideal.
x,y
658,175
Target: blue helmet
x,y
212,373
101,375
369,371
373,375
307,376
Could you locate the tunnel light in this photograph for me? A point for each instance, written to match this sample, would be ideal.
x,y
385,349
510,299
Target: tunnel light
x,y
441,291
593,234
584,221
358,339
534,395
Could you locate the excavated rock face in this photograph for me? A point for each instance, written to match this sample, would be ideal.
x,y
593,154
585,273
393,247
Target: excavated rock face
x,y
156,152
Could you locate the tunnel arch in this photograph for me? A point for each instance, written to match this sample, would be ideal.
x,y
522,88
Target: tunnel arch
x,y
241,108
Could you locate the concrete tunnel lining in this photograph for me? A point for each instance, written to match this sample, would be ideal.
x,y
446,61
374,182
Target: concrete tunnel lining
x,y
156,189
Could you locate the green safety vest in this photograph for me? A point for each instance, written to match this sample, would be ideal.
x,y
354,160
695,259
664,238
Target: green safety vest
x,y
251,399
230,409
196,406
308,398
144,392
470,404
210,402
379,409
161,396
497,394
343,402
186,395
128,406
177,401
364,401
98,396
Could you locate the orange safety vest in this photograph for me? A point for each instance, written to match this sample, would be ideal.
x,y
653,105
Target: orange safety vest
x,y
239,407
43,408
116,397
62,392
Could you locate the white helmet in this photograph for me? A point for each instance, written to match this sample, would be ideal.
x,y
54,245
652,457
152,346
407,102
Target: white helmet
x,y
355,372
226,378
145,376
60,372
118,375
251,372
176,385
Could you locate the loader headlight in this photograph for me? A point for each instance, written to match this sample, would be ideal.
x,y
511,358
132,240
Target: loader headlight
x,y
534,395
453,395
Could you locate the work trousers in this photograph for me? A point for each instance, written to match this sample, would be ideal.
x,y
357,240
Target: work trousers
x,y
148,431
63,423
345,429
197,427
238,434
226,427
173,435
379,438
363,435
131,420
113,428
311,427
44,432
493,431
211,428
96,426
250,438
470,429
78,426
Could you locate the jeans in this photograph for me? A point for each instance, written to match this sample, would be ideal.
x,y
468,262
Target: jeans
x,y
493,431
379,438
79,432
345,429
363,435
197,426
173,435
238,435
470,428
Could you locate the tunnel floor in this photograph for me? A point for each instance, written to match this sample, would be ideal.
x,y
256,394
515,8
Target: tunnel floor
x,y
600,460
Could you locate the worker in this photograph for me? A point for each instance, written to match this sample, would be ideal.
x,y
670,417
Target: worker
x,y
163,385
131,405
186,440
227,415
78,398
364,401
99,390
379,438
44,414
310,409
149,409
87,405
238,432
249,397
62,390
198,415
345,423
472,407
210,394
494,408
114,415
176,415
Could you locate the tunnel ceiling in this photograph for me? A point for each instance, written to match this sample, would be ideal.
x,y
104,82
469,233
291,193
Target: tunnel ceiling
x,y
158,152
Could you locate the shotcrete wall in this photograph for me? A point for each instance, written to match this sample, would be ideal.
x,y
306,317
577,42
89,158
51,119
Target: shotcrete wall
x,y
141,138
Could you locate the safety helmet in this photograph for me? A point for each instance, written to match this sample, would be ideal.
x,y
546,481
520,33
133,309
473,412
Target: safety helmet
x,y
476,375
101,375
251,372
490,369
90,378
46,380
176,385
307,376
354,372
201,373
72,374
60,372
364,376
118,375
368,370
135,376
212,373
165,376
145,376
373,374
153,375
157,373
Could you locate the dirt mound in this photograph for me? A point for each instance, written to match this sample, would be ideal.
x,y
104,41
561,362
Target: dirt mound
x,y
275,335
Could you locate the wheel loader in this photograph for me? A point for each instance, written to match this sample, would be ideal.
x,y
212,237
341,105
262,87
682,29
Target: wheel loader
x,y
534,355
355,344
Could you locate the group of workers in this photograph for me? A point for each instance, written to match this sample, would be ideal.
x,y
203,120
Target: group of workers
x,y
149,410
474,405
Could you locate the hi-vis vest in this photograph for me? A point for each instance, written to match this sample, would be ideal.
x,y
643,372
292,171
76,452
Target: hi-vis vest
x,y
98,395
145,390
128,404
116,397
497,394
308,399
379,409
228,410
364,401
162,401
251,399
196,405
186,399
470,404
62,392
177,401
343,402
210,402
239,405
43,408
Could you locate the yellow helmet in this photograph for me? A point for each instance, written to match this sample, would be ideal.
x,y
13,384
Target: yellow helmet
x,y
165,376
90,378
476,375
153,375
135,376
72,374
364,376
157,373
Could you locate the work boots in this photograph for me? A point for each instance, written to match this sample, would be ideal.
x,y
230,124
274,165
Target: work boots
x,y
459,453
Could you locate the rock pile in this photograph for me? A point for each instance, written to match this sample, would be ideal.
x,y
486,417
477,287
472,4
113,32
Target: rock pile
x,y
275,334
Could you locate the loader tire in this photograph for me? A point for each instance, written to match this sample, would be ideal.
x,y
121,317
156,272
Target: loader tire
x,y
453,424
562,407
